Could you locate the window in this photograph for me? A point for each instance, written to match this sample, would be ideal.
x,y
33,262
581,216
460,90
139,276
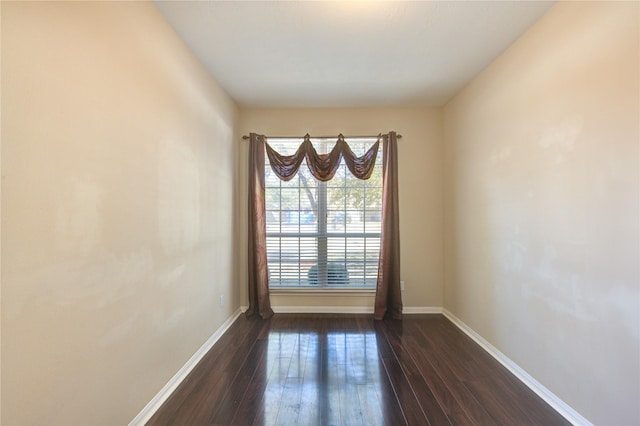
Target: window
x,y
323,234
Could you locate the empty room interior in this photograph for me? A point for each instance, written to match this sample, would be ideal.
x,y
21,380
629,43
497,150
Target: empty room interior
x,y
508,134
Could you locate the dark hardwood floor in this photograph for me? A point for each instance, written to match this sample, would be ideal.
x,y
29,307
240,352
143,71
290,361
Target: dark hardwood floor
x,y
351,370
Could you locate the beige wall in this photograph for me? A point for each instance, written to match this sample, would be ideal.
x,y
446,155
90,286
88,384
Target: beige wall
x,y
420,180
117,185
542,184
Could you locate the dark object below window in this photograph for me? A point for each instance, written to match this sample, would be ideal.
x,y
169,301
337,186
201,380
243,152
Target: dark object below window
x,y
337,274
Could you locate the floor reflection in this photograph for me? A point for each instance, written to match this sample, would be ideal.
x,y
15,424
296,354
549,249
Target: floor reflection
x,y
322,378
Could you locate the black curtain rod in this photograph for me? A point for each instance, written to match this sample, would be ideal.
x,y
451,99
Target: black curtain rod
x,y
245,137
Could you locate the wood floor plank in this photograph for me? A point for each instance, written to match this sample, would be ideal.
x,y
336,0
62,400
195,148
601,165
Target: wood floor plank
x,y
266,411
447,401
350,370
228,405
350,412
501,409
392,413
411,408
519,395
310,380
370,406
334,380
252,402
289,411
430,406
194,401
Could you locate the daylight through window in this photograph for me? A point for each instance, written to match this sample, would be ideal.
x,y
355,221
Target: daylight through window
x,y
323,234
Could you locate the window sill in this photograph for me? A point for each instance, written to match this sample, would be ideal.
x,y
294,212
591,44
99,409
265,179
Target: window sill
x,y
322,291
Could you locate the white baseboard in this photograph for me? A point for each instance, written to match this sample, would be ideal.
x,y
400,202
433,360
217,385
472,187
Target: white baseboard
x,y
549,397
350,310
322,309
150,409
408,310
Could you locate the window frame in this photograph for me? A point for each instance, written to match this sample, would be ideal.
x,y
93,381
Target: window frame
x,y
322,234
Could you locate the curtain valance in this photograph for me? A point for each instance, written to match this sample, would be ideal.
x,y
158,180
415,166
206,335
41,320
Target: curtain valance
x,y
323,166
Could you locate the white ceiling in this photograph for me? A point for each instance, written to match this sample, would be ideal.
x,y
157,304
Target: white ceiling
x,y
348,53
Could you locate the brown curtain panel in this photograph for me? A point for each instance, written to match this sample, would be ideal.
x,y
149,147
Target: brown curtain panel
x,y
259,303
323,166
388,303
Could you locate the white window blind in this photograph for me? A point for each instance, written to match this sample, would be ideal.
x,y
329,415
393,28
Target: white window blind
x,y
323,234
